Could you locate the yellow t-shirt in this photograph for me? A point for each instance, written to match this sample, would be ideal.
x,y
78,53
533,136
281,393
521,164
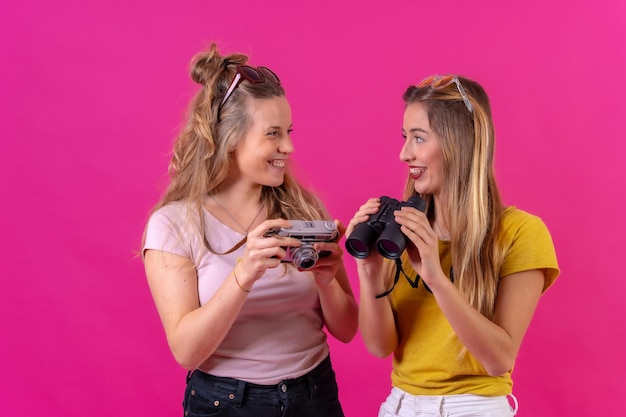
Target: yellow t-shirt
x,y
427,360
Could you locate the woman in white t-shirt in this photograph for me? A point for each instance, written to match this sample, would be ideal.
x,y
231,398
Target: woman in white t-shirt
x,y
244,304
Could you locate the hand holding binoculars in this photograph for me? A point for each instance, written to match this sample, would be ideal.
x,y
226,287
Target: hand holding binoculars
x,y
381,230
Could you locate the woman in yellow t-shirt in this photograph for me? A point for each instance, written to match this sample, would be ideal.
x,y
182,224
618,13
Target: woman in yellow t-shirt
x,y
449,278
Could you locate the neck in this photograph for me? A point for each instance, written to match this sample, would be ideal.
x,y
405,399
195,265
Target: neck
x,y
238,196
239,210
440,221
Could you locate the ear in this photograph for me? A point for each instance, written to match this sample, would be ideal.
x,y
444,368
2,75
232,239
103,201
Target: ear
x,y
232,147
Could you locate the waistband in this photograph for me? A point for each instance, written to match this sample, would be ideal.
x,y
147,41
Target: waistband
x,y
238,389
442,403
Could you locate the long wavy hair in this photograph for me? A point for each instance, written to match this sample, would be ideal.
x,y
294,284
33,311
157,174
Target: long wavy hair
x,y
202,154
474,206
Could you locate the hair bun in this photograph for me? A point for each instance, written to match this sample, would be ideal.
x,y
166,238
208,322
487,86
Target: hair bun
x,y
205,64
208,64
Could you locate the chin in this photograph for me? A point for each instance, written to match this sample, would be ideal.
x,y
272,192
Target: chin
x,y
274,183
422,191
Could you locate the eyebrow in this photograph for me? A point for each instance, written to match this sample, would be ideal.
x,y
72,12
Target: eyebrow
x,y
416,129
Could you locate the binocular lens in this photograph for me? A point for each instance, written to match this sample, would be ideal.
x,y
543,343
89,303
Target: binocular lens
x,y
357,248
389,249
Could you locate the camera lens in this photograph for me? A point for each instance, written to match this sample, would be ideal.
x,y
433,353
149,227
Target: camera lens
x,y
306,263
304,257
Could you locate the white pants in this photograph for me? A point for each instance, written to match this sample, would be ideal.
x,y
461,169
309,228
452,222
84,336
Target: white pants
x,y
402,404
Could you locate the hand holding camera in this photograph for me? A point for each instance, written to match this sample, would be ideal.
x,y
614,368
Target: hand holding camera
x,y
308,232
381,230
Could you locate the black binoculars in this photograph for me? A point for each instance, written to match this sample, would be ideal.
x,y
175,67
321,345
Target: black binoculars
x,y
382,230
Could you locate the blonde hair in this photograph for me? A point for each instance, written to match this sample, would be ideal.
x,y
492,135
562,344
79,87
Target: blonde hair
x,y
201,158
474,204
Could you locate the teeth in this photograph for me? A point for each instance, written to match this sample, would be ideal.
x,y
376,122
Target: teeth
x,y
277,163
416,171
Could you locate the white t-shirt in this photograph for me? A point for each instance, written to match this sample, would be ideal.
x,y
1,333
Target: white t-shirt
x,y
279,333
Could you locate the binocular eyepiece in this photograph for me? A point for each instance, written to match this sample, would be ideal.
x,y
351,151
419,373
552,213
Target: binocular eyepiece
x,y
382,231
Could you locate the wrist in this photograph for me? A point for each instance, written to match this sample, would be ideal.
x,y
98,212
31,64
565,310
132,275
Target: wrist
x,y
439,282
323,281
239,283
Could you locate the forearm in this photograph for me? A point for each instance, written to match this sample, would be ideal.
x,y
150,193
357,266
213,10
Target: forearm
x,y
340,310
200,332
376,319
489,343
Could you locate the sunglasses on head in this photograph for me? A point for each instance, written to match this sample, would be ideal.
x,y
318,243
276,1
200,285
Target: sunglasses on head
x,y
248,73
439,82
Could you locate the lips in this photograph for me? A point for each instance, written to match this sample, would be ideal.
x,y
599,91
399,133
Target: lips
x,y
416,172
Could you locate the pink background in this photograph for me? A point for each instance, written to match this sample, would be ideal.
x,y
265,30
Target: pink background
x,y
91,97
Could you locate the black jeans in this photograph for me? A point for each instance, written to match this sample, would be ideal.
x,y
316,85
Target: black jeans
x,y
312,395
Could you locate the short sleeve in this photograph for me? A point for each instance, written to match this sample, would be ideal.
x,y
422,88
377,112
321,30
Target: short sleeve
x,y
164,232
530,246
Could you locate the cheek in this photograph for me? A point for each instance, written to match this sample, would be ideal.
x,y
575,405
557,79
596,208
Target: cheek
x,y
434,157
438,169
238,159
244,155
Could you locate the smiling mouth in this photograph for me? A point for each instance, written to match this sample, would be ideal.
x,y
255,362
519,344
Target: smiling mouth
x,y
278,163
415,171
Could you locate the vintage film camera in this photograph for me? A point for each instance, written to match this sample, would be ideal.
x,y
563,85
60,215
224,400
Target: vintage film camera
x,y
308,232
382,231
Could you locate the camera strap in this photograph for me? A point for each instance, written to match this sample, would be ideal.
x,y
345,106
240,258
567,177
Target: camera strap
x,y
399,270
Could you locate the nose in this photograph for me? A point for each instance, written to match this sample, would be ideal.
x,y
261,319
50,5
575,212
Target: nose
x,y
286,145
405,152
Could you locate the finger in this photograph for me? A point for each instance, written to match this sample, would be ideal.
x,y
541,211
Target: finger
x,y
409,213
268,226
329,248
340,228
370,207
417,234
260,259
359,217
416,221
284,241
270,240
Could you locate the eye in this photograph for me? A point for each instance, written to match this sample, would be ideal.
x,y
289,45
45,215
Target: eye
x,y
289,131
272,133
418,139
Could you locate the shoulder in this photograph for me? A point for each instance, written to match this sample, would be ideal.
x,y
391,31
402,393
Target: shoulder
x,y
173,209
176,212
173,219
171,229
513,215
515,221
527,244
